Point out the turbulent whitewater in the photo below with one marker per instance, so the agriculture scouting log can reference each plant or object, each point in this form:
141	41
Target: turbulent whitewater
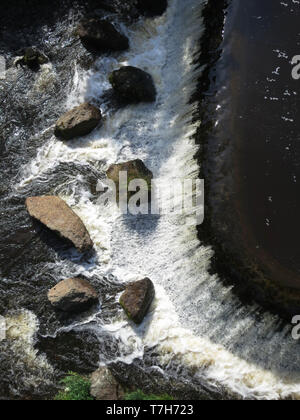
195	322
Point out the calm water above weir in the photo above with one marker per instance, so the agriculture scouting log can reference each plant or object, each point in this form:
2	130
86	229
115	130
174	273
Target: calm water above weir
259	118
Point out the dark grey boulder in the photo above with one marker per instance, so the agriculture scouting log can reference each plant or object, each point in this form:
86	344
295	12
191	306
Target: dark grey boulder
133	85
100	34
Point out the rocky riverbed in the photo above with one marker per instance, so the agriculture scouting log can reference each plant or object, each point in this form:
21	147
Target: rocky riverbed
32	94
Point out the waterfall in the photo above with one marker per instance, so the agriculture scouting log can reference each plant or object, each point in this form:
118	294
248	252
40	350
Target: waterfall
195	320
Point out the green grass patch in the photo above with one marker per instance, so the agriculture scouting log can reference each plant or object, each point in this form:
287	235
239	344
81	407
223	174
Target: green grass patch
76	388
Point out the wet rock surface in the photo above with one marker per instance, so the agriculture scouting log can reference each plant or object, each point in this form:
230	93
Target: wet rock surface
73	295
78	122
133	85
76	351
135	170
57	216
101	35
137	299
104	387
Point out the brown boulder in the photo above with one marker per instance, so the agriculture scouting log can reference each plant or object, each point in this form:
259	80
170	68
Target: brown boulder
102	35
54	213
78	122
73	295
137	299
104	386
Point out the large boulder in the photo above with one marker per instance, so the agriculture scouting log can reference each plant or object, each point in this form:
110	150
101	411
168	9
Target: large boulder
137	299
33	58
78	122
73	295
135	169
100	34
104	386
133	85
54	213
152	7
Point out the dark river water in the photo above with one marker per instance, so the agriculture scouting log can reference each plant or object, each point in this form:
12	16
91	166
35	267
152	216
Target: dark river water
253	150
266	123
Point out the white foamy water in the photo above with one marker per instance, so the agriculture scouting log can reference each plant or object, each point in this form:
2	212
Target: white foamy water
21	328
32	368
195	319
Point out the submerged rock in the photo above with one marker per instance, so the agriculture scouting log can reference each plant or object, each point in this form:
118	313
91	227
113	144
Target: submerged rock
135	169
78	122
152	7
33	58
56	215
102	35
73	295
133	84
137	299
104	386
